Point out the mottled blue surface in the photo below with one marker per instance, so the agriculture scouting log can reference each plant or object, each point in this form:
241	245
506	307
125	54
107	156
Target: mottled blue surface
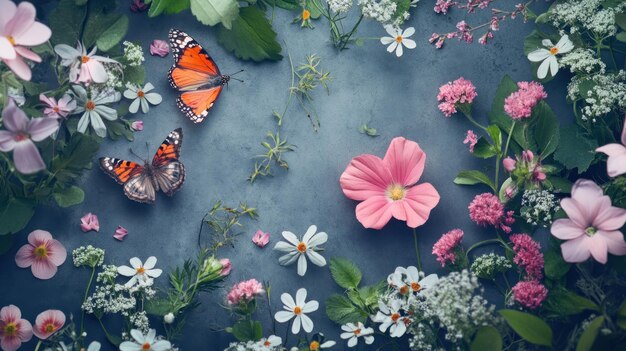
396	96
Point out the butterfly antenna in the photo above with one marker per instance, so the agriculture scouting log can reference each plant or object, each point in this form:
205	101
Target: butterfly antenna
237	72
134	153
237	79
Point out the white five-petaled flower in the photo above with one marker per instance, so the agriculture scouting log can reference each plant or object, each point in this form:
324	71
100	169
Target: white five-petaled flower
547	55
406	280
94	110
84	67
297	311
145	342
269	343
141	96
300	250
391	318
141	273
352	332
398	38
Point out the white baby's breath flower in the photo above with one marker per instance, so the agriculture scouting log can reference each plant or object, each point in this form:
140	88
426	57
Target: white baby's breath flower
133	53
141	96
297	310
398	39
340	6
140	273
300	250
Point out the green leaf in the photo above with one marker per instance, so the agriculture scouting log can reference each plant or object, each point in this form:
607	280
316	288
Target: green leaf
530	327
66	21
590	334
496	135
102	16
169	7
340	310
212	12
575	150
562	302
251	37
472	178
621	36
487	338
246	330
547	129
621	315
113	35
134	74
290	5
483	149
345	273
69	197
560	185
367	130
620	20
15	215
555	267
74	158
158	307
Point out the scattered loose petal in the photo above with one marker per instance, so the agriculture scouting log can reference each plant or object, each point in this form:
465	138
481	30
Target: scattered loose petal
89	222
260	238
120	233
159	48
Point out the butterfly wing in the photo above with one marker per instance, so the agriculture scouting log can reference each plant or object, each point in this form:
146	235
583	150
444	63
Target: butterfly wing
168	171
193	69
137	185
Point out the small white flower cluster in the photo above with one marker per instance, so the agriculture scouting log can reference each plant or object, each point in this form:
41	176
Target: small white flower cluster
88	256
133	54
488	265
382	11
457	303
539	207
139	320
340	6
252	346
587	15
115	74
607	93
17	95
583	61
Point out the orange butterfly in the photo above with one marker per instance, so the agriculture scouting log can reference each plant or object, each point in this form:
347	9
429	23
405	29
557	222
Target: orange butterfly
141	183
195	74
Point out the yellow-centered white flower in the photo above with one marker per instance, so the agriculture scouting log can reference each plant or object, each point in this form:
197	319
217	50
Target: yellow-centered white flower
547	55
141	273
300	250
297	310
397	39
352	332
141	97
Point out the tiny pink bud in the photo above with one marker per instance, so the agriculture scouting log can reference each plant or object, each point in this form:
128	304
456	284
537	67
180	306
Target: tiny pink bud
509	164
137	125
227	266
527	155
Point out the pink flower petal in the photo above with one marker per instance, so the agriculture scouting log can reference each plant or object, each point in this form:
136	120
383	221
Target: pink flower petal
616	165
624	135
56	252
587	195
405	160
575	212
609	218
7	141
23	18
10	343
27	54
614	241
576	250
419	201
366	176
36	34
14	119
27	158
7	11
10	313
41	128
612	149
598	248
96	71
43	269
19	67
38	237
374	212
7	50
26	330
566	229
24	256
55	318
120	233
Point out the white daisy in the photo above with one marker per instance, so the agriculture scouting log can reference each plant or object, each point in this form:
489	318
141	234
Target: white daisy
94	110
390	318
355	331
300	250
140	273
408	279
398	38
548	56
145	342
297	310
141	96
269	343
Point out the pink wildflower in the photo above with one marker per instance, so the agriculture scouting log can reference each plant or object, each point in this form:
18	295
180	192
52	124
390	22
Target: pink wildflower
519	104
244	292
442	6
446	247
120	233
159	48
227	266
487	210
13	329
529	294
47	323
260	238
461	91
42	254
89	222
509	164
137	125
464	32
57	109
471	139
528	255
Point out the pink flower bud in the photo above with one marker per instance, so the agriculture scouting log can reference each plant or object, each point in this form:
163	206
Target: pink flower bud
227	266
89	222
527	156
120	233
539	175
137	125
159	48
509	164
510	191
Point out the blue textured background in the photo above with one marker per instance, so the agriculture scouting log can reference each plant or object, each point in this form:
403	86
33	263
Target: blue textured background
396	96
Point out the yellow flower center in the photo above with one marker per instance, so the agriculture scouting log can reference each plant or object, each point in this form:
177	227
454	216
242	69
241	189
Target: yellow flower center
10	329
554	51
301	247
396	192
314	346
141	270
84	59
399	39
297	310
306	14
11	40
49	328
90	105
146	346
357	332
41	251
416	287
140	93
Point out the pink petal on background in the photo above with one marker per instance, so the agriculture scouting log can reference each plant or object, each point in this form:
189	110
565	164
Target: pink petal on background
23	18
598	248
41	128
57	254
120	233
614	241
405	160
421	199
24	256
260	238
37	237
576	250
27	158
54	317
575	212
566	229
89	222
365	176
27	54
10	313
14	119
227	266
19	67
374	212
159	48
36	34
43	269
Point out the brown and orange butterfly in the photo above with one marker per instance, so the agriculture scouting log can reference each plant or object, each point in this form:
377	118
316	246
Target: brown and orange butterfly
165	172
195	74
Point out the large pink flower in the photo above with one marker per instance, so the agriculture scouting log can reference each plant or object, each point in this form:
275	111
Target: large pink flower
13	329
387	187
616	164
592	228
18	31
47	323
42	254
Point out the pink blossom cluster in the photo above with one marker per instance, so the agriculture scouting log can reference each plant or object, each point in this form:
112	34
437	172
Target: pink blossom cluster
442	6
451	94
529	294
244	291
471	139
528	255
446	247
531	167
487	210
519	104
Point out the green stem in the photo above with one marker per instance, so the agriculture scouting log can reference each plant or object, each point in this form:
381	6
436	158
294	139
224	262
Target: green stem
485	242
82	314
346	37
38	345
504	154
106	332
417	250
471	119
